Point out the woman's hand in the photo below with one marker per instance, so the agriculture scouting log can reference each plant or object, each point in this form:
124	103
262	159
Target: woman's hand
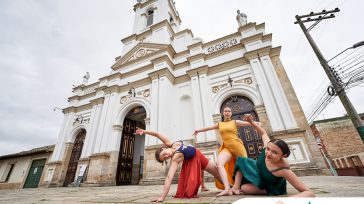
160	199
195	133
139	131
248	118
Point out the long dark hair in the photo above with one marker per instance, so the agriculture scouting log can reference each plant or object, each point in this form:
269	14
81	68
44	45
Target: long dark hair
282	145
222	111
157	154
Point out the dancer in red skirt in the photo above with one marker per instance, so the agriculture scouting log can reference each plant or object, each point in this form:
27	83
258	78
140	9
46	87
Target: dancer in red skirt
194	162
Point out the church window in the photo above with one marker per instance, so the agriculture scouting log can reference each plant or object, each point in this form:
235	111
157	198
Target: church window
150	17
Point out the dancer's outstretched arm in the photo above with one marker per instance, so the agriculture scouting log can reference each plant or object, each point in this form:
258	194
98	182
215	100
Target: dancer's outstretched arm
241	123
158	135
169	178
261	131
293	179
216	126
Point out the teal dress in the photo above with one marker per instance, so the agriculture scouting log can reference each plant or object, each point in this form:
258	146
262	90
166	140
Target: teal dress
257	173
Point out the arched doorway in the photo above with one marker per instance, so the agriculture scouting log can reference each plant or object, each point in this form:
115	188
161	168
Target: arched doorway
131	153
75	156
241	105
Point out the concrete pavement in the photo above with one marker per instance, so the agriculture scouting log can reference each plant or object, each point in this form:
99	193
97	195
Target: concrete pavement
323	186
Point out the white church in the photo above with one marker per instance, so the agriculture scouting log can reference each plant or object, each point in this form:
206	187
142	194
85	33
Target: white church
169	81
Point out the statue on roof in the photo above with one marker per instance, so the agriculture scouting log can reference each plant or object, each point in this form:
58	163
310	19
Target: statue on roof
241	18
86	78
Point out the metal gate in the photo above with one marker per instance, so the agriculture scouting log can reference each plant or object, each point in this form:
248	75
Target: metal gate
75	156
125	163
34	174
240	106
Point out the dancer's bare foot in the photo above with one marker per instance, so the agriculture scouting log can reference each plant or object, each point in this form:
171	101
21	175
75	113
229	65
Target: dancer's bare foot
236	191
203	188
225	193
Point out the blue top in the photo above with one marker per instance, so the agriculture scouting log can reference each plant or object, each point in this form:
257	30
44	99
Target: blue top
188	151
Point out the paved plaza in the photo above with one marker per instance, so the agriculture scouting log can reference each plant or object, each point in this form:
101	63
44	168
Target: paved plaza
323	186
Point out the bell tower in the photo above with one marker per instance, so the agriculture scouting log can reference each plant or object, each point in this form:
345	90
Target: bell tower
152	12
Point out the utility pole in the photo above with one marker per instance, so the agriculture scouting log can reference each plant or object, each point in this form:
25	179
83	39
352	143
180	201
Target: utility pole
330	72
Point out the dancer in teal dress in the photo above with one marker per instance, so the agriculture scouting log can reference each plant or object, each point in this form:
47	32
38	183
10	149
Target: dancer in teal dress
269	173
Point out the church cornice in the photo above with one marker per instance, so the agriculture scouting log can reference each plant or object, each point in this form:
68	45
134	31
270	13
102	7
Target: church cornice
97	101
179	33
181	65
182	79
196	57
260	26
256	37
73	109
197	71
107	90
181	54
275	51
268	50
195	45
250	26
144	4
112	89
81	97
117	75
161	59
162	72
138	70
129	38
227	65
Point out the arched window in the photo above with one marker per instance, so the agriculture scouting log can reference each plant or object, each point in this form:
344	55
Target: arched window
150	13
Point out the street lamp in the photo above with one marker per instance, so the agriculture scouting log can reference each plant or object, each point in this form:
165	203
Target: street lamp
356	45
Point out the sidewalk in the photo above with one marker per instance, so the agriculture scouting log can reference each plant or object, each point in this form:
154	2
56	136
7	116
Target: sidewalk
323	186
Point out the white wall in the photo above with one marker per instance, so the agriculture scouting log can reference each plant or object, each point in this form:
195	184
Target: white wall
20	169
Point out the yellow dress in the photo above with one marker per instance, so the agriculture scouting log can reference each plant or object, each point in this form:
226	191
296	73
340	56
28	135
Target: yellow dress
231	144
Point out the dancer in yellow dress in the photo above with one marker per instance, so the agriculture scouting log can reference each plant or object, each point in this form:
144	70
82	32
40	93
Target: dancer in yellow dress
231	148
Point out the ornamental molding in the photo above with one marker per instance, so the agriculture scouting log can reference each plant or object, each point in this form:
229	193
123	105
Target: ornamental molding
246	81
144	93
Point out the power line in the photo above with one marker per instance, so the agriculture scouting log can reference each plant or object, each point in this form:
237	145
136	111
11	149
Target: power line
340	61
336	87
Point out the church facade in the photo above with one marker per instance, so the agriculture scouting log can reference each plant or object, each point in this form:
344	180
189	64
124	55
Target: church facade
169	81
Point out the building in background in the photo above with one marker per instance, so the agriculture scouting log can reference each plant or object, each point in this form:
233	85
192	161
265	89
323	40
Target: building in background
169	81
341	144
24	169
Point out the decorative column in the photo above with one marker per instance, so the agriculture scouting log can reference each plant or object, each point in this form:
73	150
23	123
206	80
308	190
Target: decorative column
100	140
266	92
197	104
91	135
154	117
65	131
56	168
162	84
107	142
279	95
205	99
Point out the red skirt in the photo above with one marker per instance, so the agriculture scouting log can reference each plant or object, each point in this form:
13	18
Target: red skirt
190	178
